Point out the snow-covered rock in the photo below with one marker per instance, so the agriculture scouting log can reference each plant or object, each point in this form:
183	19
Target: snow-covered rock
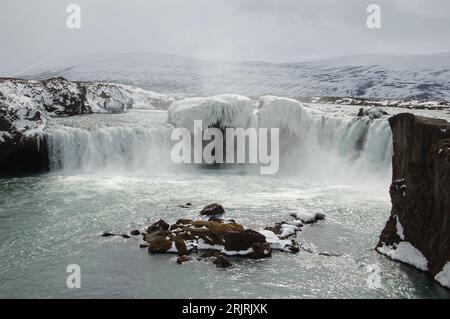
372	112
443	277
226	110
275	242
286	114
26	105
308	216
108	97
405	252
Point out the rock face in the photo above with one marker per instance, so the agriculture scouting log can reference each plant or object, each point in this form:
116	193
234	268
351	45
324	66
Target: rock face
418	230
26	106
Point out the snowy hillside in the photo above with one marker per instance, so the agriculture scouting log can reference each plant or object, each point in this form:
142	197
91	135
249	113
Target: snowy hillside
423	77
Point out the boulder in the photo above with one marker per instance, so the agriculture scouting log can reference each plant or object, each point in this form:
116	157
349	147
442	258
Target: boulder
107	234
159	245
260	250
212	209
222	262
183	259
242	240
372	112
156	226
180	245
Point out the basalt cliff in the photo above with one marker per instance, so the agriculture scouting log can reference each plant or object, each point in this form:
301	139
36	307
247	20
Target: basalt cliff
418	230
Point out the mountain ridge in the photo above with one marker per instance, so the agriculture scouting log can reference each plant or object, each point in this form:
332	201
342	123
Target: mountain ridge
420	77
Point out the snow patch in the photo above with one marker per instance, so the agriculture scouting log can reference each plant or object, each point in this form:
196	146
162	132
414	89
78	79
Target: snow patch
273	240
443	277
400	230
405	252
307	216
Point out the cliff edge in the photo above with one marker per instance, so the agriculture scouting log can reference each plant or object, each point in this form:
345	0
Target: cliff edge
418	230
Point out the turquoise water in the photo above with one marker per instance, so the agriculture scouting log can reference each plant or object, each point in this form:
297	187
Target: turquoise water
113	173
51	221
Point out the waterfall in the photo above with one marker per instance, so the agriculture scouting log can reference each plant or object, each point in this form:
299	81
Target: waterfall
318	145
343	148
108	149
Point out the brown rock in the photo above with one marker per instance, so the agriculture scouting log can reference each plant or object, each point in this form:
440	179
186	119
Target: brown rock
200	223
135	232
183	259
159	225
210	253
222	262
159	245
184	221
160	233
242	240
215	219
261	251
181	246
212	209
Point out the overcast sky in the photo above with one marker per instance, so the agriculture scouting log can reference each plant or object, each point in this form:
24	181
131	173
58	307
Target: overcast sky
272	30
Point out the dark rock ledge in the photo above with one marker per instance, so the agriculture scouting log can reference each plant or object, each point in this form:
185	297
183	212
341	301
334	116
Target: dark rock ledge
418	230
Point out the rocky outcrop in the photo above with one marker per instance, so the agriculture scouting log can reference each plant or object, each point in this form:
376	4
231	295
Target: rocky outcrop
372	112
26	106
215	239
23	149
418	230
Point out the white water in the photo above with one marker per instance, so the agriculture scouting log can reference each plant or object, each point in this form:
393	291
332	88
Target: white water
123	142
325	146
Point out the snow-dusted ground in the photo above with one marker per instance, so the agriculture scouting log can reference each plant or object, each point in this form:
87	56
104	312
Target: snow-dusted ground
420	77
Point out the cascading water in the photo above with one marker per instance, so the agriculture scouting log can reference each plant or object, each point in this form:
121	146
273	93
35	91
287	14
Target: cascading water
112	148
340	148
318	145
327	145
134	141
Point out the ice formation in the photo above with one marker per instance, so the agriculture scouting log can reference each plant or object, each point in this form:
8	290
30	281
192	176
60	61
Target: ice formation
226	110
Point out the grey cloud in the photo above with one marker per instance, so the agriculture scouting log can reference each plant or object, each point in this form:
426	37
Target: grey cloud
274	30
